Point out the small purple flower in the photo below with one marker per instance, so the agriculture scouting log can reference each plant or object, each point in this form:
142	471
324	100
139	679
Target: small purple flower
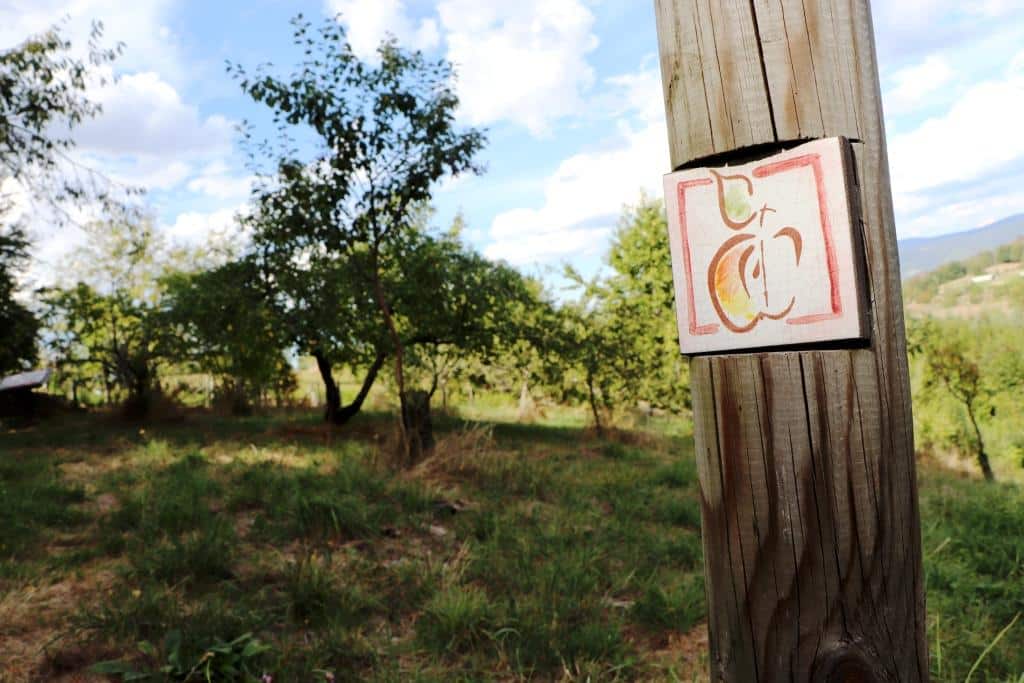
267	678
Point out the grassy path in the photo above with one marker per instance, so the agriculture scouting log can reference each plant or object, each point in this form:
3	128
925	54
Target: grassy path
516	553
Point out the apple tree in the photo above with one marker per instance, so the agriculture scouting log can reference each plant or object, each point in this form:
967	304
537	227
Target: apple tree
220	321
108	324
949	366
638	296
360	147
620	335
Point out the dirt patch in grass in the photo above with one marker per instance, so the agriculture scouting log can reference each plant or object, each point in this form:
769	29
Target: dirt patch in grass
323	434
686	654
107	503
69	664
35	619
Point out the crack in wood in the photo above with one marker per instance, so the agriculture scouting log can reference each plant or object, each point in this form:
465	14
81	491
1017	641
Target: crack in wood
764	69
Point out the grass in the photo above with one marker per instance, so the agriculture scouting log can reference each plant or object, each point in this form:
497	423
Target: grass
457	620
519	552
33	499
973	538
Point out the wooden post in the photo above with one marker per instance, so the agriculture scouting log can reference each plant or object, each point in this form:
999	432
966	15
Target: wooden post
806	458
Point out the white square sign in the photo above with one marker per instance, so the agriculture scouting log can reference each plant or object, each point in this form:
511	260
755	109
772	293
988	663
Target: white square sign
765	254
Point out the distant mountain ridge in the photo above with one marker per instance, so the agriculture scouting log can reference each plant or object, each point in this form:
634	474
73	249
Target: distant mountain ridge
922	254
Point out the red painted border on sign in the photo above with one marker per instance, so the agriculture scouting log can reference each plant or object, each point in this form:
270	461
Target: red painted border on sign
695	329
814	161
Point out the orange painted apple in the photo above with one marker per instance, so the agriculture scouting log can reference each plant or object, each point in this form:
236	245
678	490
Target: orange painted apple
738	274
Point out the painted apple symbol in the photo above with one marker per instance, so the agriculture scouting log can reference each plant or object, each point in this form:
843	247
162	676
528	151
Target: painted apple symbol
738	278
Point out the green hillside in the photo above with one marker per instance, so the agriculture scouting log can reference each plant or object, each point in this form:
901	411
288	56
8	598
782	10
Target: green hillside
920	255
991	282
967	371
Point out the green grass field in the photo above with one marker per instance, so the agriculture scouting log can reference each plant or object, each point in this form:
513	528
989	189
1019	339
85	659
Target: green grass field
235	548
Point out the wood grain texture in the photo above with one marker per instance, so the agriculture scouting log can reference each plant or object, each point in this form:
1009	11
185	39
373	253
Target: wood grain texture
713	80
810	513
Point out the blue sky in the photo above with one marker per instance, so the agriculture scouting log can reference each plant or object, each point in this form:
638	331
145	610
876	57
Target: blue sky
568	90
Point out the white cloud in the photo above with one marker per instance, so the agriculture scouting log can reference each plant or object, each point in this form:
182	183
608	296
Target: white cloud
142	25
909	86
217	181
48	254
542	247
53	241
144	115
520	61
906	203
585	196
370	21
636	93
907	14
1016	67
965	167
217	231
147	135
977	135
14	201
195	226
906	29
147	173
963	215
451	183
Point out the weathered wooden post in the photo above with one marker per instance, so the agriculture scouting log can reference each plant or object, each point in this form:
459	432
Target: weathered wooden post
810	515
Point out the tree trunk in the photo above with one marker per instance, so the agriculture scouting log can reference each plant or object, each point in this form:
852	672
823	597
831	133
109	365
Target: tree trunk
136	376
389	321
593	405
240	403
333	394
417	424
353	408
433	383
986	467
526	405
336	413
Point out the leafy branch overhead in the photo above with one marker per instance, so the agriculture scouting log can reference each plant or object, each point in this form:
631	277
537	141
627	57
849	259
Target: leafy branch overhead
374	140
43	98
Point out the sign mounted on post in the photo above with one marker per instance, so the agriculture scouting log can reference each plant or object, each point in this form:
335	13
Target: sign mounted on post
765	254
